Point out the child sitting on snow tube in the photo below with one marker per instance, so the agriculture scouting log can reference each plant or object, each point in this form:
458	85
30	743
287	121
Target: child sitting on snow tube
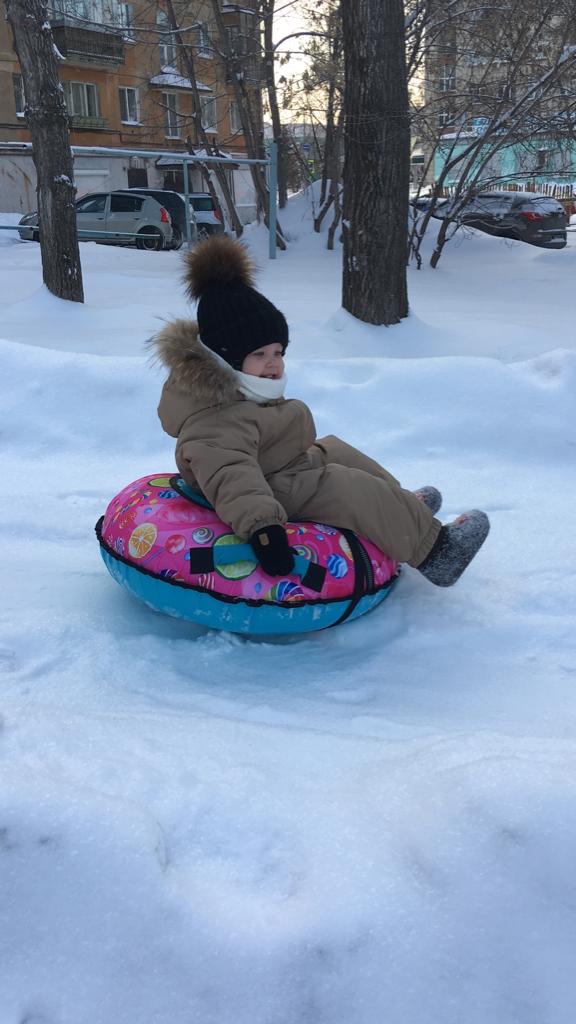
255	456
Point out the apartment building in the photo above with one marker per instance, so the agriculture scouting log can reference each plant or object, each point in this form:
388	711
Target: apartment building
487	69
127	85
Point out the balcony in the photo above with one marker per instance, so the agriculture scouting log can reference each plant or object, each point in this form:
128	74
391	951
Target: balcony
244	46
245	7
89	44
251	69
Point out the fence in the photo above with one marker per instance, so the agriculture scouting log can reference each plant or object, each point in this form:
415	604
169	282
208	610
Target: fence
564	193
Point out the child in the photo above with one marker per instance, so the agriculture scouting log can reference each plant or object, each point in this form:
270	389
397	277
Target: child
255	455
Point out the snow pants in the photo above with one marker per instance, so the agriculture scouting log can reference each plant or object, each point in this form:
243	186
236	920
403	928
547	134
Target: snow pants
345	488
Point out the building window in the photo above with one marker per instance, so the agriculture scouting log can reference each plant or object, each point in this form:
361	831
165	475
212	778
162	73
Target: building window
506	92
208	108
478	92
128	105
126	21
167	44
235	122
171	128
203	47
236	41
447	81
447	42
242	36
445	119
81	99
72	9
96	12
19	98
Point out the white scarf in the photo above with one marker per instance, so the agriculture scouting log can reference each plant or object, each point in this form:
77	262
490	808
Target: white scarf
261	389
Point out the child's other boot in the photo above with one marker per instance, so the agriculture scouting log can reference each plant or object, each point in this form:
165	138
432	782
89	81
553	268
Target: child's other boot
431	497
455	548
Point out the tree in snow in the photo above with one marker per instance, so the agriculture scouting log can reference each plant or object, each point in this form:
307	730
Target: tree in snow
498	85
239	49
48	123
377	160
175	19
314	95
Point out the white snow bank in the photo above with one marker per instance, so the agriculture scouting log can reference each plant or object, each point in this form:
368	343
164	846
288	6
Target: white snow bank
9	237
373	823
489	297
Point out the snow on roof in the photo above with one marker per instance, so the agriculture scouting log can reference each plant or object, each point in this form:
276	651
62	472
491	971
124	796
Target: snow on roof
238	9
167	161
172	78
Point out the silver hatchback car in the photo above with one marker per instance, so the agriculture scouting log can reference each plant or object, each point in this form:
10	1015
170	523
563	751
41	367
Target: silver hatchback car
133	220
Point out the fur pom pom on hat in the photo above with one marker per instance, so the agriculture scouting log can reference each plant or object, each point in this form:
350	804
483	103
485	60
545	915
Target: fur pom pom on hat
233	318
218	260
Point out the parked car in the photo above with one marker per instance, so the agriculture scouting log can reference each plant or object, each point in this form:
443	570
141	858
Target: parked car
209	218
525	216
424	202
136	219
176	207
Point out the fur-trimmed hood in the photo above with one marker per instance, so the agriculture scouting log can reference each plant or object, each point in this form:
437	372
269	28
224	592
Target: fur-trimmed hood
197	379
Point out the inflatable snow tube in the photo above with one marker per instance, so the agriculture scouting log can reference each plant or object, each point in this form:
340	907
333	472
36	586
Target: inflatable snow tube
165	544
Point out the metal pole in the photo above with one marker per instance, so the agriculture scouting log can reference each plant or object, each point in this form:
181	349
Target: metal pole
272	198
187	202
24	147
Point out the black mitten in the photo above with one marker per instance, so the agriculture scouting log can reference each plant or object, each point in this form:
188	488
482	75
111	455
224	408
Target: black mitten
273	551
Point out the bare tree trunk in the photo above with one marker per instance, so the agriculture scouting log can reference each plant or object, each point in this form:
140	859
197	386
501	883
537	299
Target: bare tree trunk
199	129
334	173
377	161
328	142
440	243
48	123
277	130
236	76
333	119
335	221
330	149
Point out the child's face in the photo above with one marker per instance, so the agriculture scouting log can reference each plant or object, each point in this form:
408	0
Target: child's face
266	361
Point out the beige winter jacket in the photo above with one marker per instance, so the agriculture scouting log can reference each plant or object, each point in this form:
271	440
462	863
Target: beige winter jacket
241	455
262	464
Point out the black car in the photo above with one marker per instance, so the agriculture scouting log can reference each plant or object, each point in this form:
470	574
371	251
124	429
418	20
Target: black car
524	216
176	207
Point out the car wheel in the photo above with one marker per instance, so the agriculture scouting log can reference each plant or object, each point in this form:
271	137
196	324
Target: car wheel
177	238
154	243
36	236
203	232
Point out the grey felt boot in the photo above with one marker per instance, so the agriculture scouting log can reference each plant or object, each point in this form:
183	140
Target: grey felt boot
455	548
431	497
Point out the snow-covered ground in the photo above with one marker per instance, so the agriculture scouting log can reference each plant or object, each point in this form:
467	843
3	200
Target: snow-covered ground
372	824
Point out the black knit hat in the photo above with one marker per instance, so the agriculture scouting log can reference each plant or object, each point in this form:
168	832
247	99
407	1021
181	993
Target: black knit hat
233	318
